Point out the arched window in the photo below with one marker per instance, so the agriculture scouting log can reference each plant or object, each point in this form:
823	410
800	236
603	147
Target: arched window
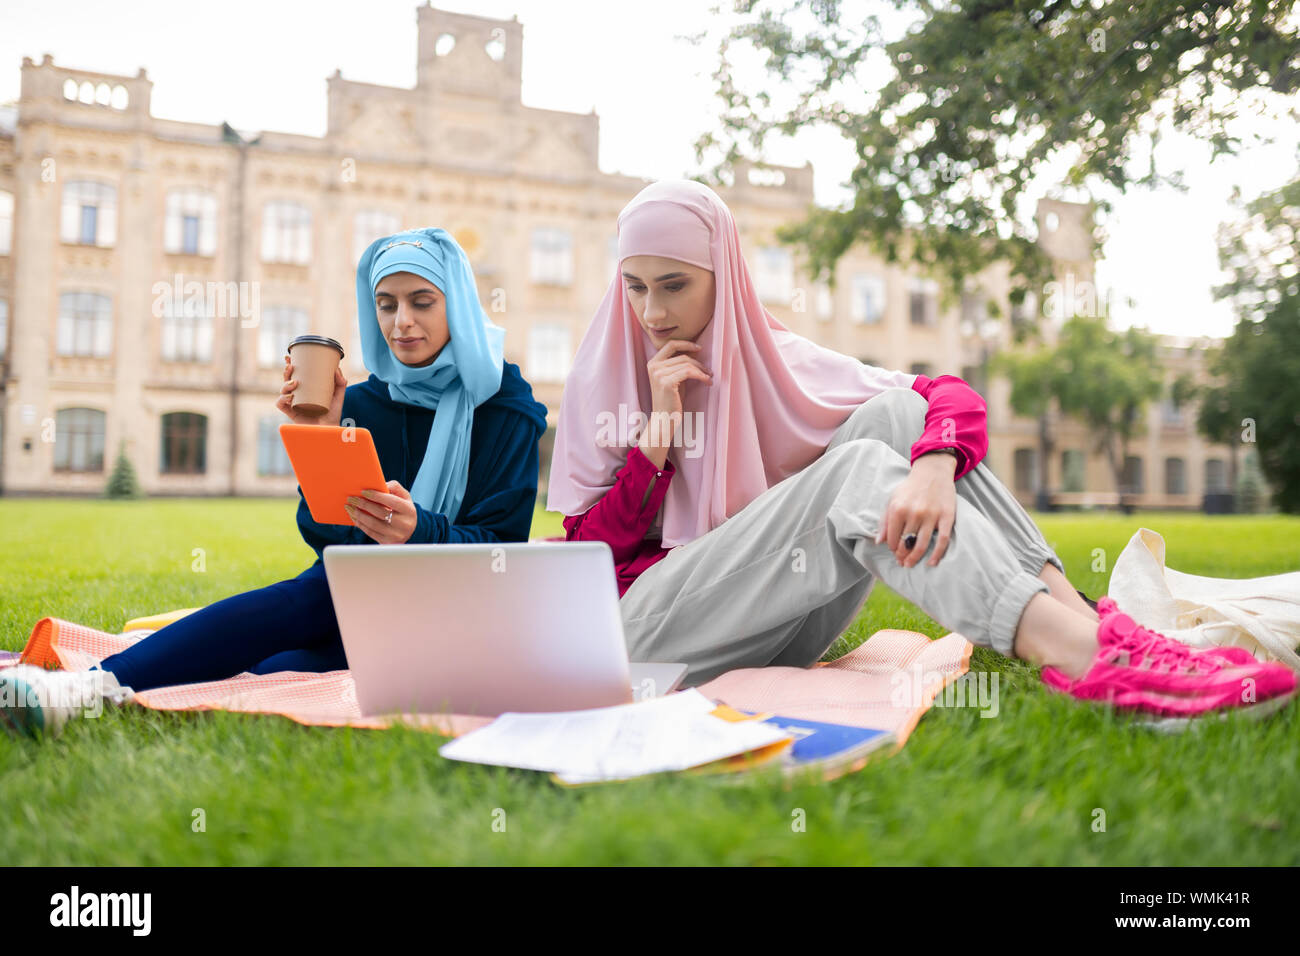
184	443
1216	476
1175	476
1132	479
79	439
1026	469
1073	464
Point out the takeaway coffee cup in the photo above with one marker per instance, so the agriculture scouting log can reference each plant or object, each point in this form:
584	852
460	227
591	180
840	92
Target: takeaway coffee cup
314	359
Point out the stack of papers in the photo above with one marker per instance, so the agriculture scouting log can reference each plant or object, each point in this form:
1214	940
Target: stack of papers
675	732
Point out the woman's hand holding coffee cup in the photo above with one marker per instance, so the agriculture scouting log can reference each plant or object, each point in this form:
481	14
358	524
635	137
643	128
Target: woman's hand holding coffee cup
388	518
300	417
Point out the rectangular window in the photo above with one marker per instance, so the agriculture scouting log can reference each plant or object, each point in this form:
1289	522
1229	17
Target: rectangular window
551	261
279	327
1216	476
89	214
1170	412
79	439
774	274
6	222
974	311
190	222
272	459
85	325
1072	470
1132	477
187	337
190	235
921	368
973	375
868	299
286	233
1026	467
611	257
86	235
923	301
369	225
823	302
549	352
1175	476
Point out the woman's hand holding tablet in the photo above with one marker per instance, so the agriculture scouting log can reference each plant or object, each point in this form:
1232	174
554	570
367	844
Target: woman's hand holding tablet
388	518
333	464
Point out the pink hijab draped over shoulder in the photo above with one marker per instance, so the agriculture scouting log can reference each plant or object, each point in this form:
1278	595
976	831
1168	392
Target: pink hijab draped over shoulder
775	401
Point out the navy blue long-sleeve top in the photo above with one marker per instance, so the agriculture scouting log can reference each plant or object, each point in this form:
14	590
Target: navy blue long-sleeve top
501	488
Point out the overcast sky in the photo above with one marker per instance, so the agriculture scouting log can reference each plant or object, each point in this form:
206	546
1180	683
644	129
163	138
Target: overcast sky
262	65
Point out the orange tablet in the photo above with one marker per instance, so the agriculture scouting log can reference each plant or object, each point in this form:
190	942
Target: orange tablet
331	463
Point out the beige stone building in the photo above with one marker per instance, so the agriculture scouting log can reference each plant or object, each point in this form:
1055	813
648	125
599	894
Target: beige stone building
152	271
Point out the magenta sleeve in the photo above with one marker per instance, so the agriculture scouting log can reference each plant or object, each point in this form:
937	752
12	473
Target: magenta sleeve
957	418
618	518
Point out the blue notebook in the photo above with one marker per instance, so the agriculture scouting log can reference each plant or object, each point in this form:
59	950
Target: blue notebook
832	749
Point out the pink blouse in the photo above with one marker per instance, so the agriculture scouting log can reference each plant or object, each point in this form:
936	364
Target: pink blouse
621	521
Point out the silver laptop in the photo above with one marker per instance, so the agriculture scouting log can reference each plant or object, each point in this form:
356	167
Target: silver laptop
486	628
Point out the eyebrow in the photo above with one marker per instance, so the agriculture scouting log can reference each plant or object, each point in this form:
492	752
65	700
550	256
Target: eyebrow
428	289
666	275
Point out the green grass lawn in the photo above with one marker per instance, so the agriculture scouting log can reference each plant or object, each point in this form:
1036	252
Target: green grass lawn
1020	788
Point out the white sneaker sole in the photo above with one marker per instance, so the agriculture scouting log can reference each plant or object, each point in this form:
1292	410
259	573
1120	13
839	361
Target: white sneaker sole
1177	725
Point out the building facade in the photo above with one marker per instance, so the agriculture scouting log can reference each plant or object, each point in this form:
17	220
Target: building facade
152	271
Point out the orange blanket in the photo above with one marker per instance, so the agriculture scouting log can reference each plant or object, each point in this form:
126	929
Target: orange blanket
886	683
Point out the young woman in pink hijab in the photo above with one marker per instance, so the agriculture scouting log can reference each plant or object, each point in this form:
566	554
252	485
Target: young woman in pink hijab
754	485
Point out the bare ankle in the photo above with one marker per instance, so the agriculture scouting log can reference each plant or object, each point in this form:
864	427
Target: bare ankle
1052	635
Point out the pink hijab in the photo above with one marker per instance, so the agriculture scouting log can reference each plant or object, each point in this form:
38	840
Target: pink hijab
775	401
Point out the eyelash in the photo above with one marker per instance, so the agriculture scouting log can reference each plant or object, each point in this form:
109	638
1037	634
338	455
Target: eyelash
675	287
390	308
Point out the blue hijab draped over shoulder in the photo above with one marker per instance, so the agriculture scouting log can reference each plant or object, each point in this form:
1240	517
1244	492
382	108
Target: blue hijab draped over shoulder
466	373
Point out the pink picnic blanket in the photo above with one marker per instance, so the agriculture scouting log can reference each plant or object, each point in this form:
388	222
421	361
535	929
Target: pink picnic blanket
886	683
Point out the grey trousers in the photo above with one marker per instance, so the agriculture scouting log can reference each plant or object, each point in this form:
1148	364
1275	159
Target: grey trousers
778	582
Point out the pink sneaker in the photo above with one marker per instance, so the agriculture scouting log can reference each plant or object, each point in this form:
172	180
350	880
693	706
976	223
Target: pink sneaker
1233	655
1168	683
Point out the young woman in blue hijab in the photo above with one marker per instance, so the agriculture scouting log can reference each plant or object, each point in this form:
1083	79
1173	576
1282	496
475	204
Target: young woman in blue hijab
450	418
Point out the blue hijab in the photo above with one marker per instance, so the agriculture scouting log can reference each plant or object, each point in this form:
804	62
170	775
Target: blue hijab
466	373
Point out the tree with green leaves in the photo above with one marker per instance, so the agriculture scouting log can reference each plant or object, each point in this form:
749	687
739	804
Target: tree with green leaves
122	482
979	97
1100	377
1254	395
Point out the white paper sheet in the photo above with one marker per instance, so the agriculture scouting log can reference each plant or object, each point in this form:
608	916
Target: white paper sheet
613	743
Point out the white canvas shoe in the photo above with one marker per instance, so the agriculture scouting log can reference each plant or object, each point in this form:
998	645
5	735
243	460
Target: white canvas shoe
35	701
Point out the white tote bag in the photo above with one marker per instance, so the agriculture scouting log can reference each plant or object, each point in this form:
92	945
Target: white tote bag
1259	614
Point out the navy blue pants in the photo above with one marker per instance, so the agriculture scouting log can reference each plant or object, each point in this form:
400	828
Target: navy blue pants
287	626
